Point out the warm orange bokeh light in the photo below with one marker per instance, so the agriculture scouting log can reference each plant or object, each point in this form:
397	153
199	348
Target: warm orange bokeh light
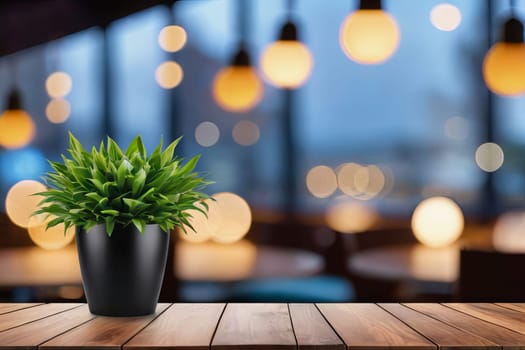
58	110
203	227
437	222
169	74
503	69
17	129
235	217
350	217
172	38
321	181
58	84
51	239
287	63
20	202
237	88
369	36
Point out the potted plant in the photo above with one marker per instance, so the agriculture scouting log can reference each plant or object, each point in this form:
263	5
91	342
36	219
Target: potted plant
124	205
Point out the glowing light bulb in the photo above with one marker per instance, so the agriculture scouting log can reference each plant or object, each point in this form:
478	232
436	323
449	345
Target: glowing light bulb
369	35
287	63
58	84
20	201
58	110
237	88
503	68
437	222
17	129
169	74
172	38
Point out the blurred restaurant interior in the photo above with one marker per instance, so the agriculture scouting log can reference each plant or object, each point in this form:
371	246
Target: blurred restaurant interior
360	150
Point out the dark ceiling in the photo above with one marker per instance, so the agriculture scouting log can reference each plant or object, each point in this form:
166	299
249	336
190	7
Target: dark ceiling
27	23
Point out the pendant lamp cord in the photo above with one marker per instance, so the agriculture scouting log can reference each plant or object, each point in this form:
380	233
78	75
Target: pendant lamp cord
512	5
243	14
290	6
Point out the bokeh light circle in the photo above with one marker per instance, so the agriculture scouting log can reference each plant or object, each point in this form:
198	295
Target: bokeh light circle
235	217
58	110
17	129
169	74
508	233
437	222
59	84
207	134
445	17
321	181
204	226
246	133
51	239
20	202
489	157
172	38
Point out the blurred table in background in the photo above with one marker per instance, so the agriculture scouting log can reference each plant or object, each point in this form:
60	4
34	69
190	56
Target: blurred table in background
432	270
242	260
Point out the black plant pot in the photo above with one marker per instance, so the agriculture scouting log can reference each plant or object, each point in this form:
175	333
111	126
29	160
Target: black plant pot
122	274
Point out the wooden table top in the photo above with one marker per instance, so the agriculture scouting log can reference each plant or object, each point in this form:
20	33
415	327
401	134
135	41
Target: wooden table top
268	326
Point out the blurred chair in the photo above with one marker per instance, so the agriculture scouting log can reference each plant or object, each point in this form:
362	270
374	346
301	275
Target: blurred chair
487	275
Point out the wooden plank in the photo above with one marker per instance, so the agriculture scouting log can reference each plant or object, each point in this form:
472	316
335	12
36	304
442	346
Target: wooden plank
367	326
507	339
10	307
22	316
311	329
514	306
507	318
442	334
182	326
102	332
30	335
255	326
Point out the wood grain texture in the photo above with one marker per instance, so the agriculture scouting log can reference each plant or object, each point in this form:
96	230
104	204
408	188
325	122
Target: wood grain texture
182	326
311	329
22	316
102	332
442	334
10	307
507	318
514	306
30	335
367	326
255	326
507	339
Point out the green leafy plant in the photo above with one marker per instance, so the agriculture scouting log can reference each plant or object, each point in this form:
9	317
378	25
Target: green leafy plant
112	187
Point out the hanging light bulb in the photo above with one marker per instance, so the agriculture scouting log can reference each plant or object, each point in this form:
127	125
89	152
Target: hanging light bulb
369	35
287	63
504	64
17	129
237	88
